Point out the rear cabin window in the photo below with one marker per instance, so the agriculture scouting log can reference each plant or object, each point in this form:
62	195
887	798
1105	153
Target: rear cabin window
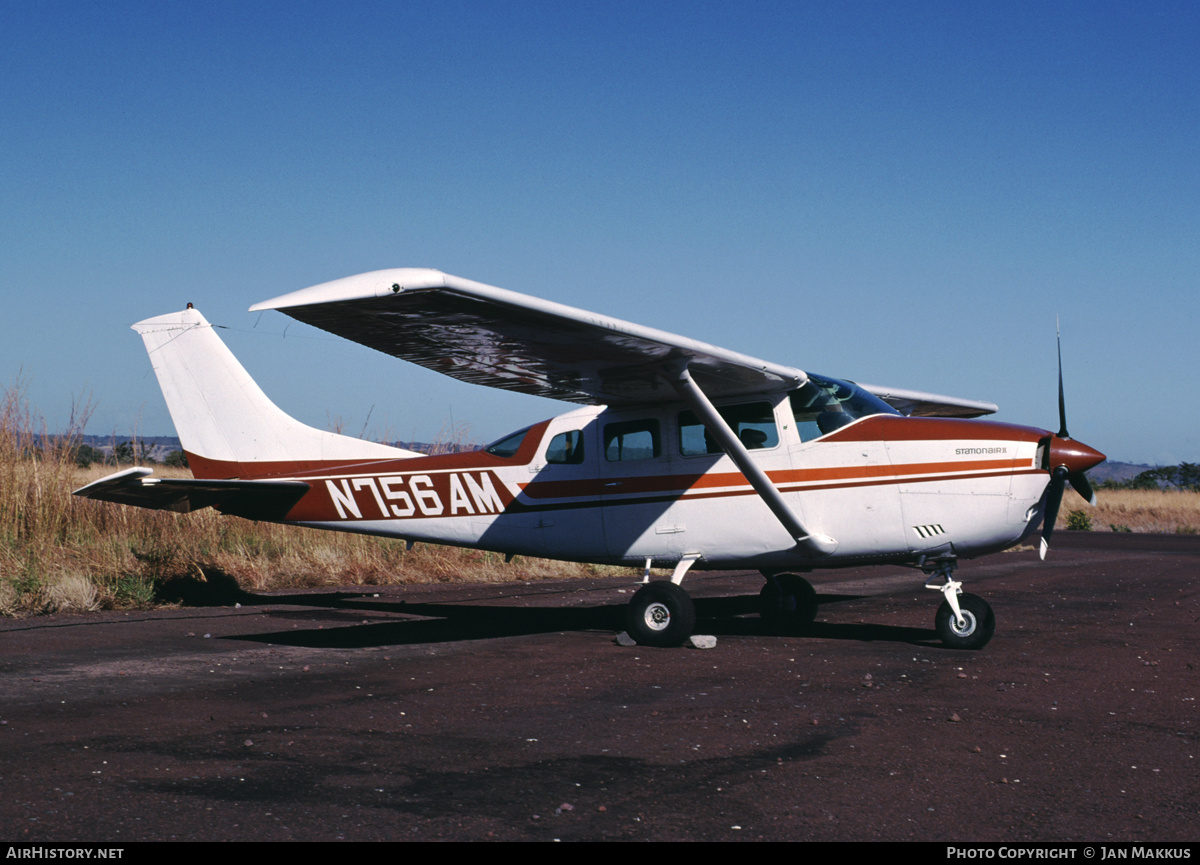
566	448
632	440
752	423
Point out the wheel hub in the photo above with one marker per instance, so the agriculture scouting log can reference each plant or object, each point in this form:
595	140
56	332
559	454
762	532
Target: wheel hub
968	624
658	616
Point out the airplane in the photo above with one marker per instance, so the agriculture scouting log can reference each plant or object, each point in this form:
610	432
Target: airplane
682	454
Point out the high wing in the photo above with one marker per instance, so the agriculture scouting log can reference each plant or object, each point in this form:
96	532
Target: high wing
256	500
487	335
919	404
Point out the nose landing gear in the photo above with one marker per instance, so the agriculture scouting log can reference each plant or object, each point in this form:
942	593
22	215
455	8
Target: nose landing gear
963	621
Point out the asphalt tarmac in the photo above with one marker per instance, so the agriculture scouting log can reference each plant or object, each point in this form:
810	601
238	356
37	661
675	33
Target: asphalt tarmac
508	712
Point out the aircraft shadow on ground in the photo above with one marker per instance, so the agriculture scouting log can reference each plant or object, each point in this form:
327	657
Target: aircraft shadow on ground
441	623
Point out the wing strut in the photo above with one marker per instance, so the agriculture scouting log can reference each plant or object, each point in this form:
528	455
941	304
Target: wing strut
681	380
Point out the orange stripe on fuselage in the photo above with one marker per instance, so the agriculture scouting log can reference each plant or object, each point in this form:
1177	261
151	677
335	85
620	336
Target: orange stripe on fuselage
799	478
878	428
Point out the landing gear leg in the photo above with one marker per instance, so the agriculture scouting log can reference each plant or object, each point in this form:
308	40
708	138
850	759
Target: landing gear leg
963	621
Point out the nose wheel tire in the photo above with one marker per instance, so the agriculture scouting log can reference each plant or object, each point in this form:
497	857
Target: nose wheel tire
979	623
788	602
660	614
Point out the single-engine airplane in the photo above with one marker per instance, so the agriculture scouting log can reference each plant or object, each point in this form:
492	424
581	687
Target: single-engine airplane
683	455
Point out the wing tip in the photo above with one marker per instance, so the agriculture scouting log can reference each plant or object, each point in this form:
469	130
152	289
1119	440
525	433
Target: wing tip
125	477
362	286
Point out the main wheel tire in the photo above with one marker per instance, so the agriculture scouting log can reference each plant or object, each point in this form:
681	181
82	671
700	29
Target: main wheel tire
979	623
660	614
788	601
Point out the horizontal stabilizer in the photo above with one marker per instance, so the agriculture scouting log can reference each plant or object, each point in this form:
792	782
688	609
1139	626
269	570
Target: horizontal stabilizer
256	500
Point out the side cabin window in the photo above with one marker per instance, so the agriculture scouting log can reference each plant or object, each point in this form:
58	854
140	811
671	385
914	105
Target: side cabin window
509	445
566	448
632	440
752	423
823	405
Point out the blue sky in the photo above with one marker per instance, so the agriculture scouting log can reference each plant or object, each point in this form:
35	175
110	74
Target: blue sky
900	193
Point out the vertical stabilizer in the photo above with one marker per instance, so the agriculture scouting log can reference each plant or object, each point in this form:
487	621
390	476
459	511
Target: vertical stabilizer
224	420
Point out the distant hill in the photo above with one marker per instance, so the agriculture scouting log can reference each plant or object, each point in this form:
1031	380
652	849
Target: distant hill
160	446
1115	471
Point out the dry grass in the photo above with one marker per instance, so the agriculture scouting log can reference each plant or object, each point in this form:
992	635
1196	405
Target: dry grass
1137	511
62	553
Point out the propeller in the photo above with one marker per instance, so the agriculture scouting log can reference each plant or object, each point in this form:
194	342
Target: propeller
1067	460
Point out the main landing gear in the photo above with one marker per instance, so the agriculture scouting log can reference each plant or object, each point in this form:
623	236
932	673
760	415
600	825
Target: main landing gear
663	613
963	621
787	602
660	614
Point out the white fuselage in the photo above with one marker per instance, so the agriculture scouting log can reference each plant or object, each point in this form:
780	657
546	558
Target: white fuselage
637	484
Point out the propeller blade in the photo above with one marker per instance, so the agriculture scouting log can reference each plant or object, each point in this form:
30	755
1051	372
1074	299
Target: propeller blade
1062	402
1067	461
1054	494
1079	483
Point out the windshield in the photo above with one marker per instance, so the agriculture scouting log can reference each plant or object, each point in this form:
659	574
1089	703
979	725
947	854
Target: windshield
824	404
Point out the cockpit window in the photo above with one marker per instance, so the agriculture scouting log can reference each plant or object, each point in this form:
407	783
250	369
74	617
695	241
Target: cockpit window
823	405
509	445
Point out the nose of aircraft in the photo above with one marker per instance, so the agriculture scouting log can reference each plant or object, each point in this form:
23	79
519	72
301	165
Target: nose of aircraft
1068	460
1074	456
